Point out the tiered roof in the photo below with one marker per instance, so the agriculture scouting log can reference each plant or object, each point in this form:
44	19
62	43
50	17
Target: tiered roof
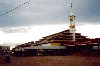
62	37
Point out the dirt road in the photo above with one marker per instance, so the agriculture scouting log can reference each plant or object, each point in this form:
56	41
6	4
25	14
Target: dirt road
54	61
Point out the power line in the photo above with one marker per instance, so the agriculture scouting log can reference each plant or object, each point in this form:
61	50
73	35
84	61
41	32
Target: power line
27	2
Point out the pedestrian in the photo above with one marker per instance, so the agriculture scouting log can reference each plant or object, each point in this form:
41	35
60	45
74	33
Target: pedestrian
7	58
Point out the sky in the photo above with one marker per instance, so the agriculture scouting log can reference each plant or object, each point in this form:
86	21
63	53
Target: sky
38	18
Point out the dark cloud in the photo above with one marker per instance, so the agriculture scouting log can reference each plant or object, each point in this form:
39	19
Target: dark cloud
88	11
39	12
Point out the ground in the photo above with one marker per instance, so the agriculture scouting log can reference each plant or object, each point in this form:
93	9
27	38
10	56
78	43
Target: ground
54	61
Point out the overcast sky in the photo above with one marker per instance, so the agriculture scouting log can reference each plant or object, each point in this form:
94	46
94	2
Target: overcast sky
40	12
36	14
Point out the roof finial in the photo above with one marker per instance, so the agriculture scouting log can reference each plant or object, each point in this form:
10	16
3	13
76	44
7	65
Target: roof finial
71	5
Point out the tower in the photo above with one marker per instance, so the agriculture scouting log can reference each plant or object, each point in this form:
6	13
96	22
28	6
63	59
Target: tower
72	23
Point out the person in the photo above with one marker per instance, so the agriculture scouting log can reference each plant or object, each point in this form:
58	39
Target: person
7	58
